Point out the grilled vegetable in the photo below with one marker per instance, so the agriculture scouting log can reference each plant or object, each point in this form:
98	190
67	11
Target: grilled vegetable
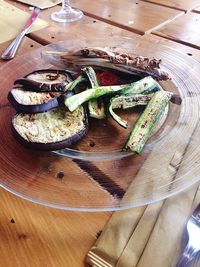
143	127
104	57
52	130
32	102
25	99
46	80
107	78
75	82
144	86
96	106
126	102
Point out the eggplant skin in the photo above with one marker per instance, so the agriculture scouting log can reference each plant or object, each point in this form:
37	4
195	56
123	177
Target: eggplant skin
51	146
32	83
37	108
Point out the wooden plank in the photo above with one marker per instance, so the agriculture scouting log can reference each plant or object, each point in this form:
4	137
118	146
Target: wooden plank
54	237
87	27
197	9
191	52
133	15
32	235
184	5
26	46
184	29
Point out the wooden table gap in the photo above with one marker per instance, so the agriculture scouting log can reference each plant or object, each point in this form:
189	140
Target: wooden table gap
177	41
165	5
183	5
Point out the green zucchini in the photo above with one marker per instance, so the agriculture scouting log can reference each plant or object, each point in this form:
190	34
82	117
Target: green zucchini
144	125
126	102
129	101
144	86
70	86
95	106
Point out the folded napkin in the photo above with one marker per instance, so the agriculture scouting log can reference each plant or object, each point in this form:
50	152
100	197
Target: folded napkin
151	236
12	21
42	4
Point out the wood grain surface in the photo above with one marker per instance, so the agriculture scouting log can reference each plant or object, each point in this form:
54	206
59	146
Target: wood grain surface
27	46
184	5
197	9
32	235
87	26
134	15
184	30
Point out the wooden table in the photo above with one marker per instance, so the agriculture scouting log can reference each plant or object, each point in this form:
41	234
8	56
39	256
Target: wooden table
36	236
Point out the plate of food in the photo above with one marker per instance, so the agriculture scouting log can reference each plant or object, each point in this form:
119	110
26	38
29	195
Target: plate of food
93	127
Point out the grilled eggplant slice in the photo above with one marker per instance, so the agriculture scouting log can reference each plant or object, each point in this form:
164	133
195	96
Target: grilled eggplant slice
46	80
52	130
33	102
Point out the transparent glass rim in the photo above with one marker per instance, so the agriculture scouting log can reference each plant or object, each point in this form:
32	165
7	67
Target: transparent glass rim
114	155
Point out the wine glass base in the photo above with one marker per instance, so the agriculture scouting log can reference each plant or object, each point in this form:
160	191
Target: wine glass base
65	16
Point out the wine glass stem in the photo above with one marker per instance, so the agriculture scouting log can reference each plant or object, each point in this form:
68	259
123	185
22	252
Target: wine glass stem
66	6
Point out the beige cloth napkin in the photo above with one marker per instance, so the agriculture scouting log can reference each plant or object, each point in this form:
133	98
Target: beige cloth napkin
42	4
152	236
12	20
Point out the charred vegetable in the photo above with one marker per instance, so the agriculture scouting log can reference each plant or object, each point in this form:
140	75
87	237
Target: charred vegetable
96	106
74	83
106	58
32	102
126	102
144	86
27	100
46	80
51	130
143	127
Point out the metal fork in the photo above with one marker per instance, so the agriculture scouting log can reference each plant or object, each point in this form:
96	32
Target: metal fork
193	246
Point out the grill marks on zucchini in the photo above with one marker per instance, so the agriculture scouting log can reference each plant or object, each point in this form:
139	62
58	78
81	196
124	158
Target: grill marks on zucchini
138	93
126	102
144	86
143	127
44	123
96	106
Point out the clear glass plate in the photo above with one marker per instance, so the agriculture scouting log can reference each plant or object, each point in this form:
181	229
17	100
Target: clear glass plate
94	175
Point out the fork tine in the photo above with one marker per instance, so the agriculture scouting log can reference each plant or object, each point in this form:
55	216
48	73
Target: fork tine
196	214
192	249
196	261
197	210
188	255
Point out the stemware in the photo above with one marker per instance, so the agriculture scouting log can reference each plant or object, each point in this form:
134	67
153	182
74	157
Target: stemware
67	13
